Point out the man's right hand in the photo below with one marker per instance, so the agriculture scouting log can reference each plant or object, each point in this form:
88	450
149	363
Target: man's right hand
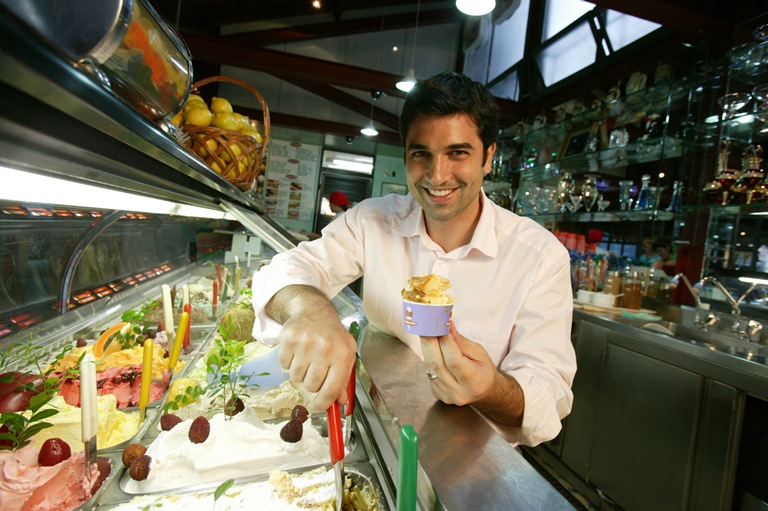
315	348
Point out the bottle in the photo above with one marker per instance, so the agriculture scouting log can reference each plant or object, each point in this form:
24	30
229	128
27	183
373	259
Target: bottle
643	198
676	203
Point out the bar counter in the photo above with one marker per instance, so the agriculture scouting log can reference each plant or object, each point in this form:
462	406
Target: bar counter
464	463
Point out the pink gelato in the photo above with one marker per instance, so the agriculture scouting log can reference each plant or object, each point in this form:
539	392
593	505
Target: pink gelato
122	382
27	486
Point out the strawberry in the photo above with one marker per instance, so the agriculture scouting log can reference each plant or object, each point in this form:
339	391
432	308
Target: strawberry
131	452
53	452
168	421
140	467
292	431
299	412
199	430
233	408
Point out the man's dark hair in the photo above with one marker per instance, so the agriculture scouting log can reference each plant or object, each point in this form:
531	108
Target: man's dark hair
449	93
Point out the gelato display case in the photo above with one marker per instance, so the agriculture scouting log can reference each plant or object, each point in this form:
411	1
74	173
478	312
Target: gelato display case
72	277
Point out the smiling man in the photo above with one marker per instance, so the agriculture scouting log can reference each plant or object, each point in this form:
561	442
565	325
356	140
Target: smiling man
508	352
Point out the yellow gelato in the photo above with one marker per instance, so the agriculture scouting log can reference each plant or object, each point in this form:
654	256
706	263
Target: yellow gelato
115	427
427	289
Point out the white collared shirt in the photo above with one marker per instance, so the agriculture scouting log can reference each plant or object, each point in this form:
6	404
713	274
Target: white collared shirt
511	284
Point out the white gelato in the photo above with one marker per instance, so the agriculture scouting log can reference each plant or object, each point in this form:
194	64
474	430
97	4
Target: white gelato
313	490
237	447
269	403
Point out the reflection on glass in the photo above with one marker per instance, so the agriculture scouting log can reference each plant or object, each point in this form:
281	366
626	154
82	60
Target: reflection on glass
734	102
589	191
624	194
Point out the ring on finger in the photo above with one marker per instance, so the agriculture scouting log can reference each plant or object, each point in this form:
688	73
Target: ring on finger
431	375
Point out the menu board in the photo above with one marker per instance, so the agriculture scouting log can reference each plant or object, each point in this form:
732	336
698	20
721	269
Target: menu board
292	168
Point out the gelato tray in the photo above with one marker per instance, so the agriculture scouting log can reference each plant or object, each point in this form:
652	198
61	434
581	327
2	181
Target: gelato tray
199	451
311	489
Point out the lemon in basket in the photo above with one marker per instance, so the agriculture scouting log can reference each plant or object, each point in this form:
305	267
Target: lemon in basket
235	150
243	122
253	134
225	121
211	145
199	116
220	105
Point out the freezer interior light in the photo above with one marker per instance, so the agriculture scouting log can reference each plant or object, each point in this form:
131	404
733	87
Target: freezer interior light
21	186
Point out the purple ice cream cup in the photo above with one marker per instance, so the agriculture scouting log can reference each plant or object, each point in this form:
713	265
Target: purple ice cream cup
430	320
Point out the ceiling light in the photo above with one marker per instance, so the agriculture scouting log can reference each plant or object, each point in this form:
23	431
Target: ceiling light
370	130
409	80
316	4
19	186
475	7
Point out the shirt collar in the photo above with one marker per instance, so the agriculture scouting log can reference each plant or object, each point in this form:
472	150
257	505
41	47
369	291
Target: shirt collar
483	239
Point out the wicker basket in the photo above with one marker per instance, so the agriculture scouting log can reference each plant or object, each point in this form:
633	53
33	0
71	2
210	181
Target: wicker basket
245	157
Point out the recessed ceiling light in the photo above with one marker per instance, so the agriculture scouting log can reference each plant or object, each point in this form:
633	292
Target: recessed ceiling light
316	4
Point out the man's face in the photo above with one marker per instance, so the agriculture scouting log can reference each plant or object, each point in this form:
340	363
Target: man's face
444	166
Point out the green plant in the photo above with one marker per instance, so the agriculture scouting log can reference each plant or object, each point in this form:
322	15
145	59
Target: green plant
139	324
18	428
223	364
189	396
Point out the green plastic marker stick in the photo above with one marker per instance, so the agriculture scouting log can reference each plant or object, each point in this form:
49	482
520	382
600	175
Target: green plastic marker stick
407	463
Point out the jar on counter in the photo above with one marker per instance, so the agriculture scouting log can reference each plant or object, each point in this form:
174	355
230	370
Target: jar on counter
659	287
632	290
612	283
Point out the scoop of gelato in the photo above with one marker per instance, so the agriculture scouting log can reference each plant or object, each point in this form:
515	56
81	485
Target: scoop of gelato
427	289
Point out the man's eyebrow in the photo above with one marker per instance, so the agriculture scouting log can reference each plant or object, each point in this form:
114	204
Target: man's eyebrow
462	145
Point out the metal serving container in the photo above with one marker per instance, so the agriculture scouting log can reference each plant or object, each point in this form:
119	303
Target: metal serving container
123	43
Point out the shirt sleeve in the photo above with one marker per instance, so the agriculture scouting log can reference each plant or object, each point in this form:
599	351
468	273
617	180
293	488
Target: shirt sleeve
308	264
541	357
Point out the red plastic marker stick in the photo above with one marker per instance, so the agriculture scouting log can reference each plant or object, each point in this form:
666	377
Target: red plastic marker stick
215	295
334	433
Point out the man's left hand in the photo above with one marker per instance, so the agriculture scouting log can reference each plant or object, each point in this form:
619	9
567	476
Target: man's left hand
465	371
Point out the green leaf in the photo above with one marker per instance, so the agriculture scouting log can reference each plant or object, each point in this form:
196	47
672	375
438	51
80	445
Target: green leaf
223	487
43	414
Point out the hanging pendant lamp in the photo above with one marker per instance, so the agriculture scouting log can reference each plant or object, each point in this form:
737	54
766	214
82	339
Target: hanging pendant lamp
369	130
409	80
475	7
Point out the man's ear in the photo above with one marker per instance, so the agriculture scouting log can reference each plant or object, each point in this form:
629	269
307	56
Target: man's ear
489	158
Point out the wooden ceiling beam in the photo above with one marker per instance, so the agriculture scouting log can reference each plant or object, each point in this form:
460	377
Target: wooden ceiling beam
346	27
288	65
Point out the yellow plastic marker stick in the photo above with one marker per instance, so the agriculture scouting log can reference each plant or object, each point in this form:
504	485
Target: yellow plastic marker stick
146	377
179	341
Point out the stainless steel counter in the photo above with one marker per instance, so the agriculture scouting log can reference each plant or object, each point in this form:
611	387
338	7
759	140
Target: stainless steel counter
465	463
732	366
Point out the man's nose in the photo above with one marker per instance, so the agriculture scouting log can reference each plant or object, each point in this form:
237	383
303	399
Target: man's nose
440	170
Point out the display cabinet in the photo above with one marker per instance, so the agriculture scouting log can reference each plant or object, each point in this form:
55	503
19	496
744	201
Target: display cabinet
616	160
728	197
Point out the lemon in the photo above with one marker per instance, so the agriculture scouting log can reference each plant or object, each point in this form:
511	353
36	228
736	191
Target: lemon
243	121
193	103
225	121
212	145
194	97
179	387
199	116
235	150
253	134
220	105
178	119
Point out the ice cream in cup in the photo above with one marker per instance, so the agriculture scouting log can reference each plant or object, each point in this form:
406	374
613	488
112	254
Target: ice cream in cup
427	308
